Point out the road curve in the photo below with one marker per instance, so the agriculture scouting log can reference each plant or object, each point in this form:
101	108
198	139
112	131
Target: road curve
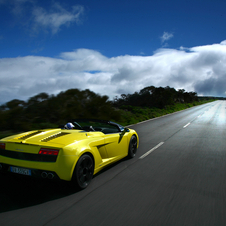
177	178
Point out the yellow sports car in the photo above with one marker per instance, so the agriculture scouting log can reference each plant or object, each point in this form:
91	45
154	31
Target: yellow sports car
73	153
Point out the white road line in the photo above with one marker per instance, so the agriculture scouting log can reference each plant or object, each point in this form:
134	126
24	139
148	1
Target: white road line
187	125
147	153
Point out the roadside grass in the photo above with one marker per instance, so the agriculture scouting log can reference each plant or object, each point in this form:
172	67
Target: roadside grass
129	115
132	115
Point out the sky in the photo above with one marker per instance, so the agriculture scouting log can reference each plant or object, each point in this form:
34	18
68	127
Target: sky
111	47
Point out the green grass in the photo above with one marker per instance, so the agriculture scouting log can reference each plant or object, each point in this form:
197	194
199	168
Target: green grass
132	115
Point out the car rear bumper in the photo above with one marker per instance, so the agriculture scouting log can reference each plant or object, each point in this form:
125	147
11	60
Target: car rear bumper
61	169
5	168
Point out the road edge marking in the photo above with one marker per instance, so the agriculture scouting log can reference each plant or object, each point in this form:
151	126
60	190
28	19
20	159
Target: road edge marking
148	152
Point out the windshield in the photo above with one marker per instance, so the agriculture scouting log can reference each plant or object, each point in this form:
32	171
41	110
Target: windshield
97	125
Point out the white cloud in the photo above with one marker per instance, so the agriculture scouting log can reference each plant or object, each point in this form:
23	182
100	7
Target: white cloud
201	69
36	18
166	36
56	17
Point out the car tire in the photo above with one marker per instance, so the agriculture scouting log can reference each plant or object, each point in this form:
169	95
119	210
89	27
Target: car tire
132	147
83	172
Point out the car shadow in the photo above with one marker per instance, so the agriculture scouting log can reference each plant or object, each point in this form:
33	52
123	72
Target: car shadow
20	191
17	191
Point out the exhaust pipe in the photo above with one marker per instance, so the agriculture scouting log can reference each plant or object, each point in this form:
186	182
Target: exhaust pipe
44	175
50	176
47	175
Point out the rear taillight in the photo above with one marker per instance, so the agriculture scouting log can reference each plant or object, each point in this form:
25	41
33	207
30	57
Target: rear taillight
48	151
2	145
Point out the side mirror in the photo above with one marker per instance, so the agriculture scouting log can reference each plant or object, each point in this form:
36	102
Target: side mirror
124	131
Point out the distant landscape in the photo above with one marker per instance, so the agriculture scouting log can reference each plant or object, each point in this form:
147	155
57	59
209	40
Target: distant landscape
49	111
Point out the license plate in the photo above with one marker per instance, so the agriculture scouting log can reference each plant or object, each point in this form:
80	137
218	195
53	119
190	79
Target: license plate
20	170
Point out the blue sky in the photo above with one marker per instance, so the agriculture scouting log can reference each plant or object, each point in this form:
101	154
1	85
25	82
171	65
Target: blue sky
111	47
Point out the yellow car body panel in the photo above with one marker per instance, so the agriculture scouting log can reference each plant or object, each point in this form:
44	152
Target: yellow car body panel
22	150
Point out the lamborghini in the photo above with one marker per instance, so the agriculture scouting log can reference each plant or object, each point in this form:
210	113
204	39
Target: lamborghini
71	153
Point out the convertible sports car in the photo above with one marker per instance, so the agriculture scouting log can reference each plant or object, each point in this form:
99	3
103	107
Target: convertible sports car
73	153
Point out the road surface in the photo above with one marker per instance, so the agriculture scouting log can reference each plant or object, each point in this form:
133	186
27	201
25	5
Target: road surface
178	177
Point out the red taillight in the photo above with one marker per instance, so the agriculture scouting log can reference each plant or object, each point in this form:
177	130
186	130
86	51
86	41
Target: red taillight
47	151
2	145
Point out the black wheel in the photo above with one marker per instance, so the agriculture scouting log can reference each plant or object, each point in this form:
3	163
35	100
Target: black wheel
83	173
132	147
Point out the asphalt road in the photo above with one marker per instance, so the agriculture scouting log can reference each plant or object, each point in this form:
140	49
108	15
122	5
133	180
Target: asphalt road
177	178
